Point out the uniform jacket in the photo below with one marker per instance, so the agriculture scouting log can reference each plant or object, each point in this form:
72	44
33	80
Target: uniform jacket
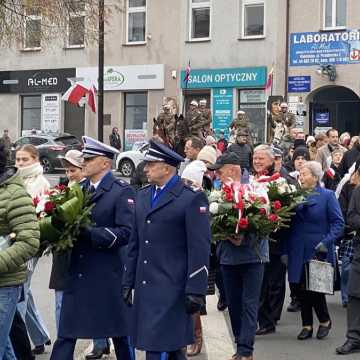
17	215
319	219
92	304
167	259
353	219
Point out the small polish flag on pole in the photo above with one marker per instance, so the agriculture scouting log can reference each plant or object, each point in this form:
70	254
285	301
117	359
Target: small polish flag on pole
74	94
91	98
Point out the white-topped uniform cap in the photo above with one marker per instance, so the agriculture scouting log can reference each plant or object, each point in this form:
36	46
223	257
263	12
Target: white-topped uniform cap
93	148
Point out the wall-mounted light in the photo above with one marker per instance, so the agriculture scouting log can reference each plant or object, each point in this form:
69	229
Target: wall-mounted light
329	70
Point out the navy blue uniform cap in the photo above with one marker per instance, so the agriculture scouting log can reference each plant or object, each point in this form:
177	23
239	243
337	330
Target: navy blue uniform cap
162	153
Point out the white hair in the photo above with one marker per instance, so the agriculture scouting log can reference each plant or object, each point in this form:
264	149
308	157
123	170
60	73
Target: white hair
315	168
267	149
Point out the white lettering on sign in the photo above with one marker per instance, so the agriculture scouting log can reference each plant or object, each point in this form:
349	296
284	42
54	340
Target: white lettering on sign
353	35
36	82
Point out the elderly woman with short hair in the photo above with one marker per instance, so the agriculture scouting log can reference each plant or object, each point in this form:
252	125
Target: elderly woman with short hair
316	226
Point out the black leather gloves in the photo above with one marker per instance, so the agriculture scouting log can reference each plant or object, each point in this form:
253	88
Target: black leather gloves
127	296
321	251
193	303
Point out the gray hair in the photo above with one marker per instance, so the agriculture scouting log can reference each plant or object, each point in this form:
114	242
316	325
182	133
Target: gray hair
315	168
267	149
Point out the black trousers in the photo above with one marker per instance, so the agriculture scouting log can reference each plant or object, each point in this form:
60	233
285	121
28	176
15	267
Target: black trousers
174	355
309	301
272	293
64	349
20	339
353	320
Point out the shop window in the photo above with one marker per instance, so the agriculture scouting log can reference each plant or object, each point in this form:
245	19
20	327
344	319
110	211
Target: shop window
32	37
253	102
76	25
197	95
31	112
200	19
136	21
334	14
135	118
253	19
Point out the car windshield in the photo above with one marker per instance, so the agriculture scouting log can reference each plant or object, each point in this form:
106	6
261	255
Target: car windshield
144	148
67	140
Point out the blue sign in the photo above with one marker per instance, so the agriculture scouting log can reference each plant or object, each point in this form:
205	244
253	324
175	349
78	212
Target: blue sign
334	47
322	118
222	78
222	113
299	84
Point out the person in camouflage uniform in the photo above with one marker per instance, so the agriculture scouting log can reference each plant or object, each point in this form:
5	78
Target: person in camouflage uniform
240	123
164	125
206	117
194	120
286	121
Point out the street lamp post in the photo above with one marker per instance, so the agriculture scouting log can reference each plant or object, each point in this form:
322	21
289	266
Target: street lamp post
101	73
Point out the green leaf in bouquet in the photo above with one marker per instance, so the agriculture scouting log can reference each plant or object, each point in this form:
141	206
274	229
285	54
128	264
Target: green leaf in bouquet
48	233
68	211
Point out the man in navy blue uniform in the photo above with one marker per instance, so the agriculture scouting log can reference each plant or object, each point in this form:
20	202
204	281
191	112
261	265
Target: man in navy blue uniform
242	268
92	306
168	259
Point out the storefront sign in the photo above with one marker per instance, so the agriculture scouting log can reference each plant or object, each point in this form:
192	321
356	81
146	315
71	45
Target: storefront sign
133	77
322	118
222	109
50	112
333	47
229	78
133	136
299	84
252	96
35	81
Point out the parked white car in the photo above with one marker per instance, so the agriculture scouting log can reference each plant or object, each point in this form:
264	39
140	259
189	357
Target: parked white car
127	161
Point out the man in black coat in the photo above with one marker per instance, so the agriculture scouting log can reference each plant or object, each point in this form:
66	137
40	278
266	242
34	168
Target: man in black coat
115	140
352	344
349	158
92	306
242	149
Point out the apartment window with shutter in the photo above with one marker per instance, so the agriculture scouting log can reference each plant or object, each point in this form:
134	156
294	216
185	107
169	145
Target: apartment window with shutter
136	21
32	36
200	19
334	14
253	19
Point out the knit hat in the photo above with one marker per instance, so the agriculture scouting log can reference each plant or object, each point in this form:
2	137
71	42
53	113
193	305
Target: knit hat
207	153
310	139
301	151
194	172
210	140
299	143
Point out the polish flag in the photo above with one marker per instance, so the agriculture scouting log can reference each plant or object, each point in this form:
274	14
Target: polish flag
91	98
74	94
269	81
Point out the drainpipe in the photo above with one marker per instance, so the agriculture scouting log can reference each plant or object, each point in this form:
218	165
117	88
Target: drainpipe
287	48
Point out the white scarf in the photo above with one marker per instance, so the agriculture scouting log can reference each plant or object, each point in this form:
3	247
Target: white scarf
34	179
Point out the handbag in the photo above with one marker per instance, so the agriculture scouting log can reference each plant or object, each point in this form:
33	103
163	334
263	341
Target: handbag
320	277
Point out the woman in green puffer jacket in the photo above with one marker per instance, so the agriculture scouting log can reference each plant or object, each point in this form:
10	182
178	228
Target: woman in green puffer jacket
19	241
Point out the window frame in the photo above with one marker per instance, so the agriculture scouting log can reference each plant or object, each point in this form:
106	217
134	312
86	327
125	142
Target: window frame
31	17
72	15
202	5
243	7
23	96
133	10
333	17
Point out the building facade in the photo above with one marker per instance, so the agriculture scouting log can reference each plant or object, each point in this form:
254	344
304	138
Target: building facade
230	45
324	63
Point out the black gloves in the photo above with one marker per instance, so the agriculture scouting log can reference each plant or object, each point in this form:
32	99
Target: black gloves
194	303
127	296
321	251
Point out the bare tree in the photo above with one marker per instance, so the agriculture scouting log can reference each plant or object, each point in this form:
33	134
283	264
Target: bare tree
30	22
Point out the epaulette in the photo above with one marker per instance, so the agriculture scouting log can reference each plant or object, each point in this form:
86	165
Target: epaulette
192	188
144	187
121	182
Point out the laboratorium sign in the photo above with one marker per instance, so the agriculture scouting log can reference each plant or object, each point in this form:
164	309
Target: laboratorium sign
334	47
223	78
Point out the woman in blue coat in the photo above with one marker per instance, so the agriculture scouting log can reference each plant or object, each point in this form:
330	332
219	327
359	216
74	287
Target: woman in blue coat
316	226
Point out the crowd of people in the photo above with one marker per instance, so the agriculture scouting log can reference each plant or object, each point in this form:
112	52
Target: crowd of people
143	265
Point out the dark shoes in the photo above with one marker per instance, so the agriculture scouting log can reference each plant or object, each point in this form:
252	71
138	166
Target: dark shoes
98	354
323	331
348	348
221	305
294	306
40	349
265	331
305	334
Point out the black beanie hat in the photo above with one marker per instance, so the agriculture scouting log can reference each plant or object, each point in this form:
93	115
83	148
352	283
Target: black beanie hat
301	151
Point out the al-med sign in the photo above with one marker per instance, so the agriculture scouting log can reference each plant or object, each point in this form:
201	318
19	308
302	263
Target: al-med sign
333	47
